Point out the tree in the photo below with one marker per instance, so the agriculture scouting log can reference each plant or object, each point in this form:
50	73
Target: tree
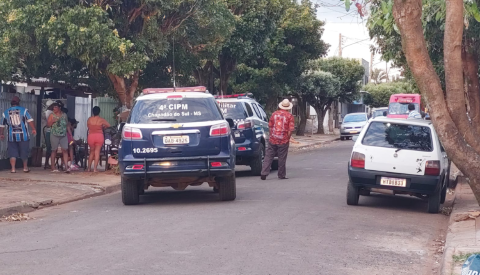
447	109
320	90
379	95
378	75
277	70
109	37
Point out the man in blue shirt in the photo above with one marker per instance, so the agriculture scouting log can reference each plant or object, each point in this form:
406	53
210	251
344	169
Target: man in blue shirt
15	120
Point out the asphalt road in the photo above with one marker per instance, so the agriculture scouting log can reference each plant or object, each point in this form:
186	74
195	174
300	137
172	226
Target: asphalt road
296	226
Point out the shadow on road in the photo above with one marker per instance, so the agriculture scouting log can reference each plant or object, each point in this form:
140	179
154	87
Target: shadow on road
396	203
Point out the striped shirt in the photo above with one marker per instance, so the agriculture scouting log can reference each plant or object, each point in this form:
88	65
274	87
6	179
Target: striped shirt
16	118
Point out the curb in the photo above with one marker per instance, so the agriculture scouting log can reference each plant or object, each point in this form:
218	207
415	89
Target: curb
449	251
26	207
313	145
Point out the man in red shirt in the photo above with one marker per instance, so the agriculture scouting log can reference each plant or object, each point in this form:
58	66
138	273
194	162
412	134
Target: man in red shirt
281	127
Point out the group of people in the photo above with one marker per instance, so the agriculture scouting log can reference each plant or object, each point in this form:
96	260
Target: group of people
59	136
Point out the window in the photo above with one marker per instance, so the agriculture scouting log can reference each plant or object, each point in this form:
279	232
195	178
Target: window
265	118
255	107
233	110
396	108
355	118
174	110
249	109
401	136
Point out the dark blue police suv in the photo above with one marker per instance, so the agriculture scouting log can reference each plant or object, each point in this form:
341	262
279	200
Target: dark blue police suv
176	137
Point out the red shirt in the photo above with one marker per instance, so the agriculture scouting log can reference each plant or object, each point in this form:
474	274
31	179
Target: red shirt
280	124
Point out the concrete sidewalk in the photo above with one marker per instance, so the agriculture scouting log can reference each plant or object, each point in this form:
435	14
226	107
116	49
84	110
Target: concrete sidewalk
463	235
311	141
24	192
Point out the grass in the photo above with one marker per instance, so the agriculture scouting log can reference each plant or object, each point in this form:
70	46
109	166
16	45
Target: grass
463	257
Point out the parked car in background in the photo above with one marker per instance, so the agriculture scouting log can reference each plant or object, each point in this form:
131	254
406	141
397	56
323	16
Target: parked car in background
250	130
400	157
176	138
379	112
352	124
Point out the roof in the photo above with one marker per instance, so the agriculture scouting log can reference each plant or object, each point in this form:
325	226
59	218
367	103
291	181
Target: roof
165	95
418	121
360	113
238	99
379	108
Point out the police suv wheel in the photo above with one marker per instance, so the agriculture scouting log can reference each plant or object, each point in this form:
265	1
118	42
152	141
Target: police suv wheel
257	162
130	192
227	188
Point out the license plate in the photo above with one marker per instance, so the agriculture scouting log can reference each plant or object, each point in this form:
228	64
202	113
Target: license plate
237	134
353	132
176	140
393	182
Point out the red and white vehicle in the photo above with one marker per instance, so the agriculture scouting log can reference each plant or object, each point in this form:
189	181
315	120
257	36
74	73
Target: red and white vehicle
398	106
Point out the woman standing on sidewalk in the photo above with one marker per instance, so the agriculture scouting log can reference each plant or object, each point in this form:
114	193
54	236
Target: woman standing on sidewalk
95	125
57	122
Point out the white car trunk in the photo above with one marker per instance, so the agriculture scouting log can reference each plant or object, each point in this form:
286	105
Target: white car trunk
396	161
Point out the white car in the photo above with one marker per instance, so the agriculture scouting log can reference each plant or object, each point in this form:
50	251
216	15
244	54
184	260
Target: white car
403	156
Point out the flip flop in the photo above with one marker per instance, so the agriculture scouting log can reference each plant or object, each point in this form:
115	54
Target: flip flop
26	171
55	171
13	172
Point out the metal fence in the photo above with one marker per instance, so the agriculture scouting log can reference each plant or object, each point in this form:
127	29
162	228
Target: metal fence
28	101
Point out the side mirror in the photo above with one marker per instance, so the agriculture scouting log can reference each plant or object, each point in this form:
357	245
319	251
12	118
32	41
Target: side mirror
230	122
354	138
120	126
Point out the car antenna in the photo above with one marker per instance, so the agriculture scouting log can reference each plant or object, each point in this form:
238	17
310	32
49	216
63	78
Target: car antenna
173	50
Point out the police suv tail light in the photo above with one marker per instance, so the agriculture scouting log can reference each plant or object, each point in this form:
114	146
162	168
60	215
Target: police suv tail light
432	168
247	124
131	133
221	129
358	160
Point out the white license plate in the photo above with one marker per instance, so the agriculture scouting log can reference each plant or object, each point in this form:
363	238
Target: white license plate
176	140
237	134
393	182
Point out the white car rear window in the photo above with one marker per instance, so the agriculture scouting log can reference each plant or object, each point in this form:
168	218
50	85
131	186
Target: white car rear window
400	136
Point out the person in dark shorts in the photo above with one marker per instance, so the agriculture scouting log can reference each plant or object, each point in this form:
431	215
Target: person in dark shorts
17	119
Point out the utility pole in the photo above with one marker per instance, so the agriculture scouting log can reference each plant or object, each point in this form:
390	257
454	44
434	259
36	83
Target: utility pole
340	45
371	68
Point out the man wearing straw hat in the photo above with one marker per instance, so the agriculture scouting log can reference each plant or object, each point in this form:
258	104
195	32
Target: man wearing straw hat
281	126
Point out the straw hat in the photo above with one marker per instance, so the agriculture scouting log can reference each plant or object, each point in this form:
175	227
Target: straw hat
285	105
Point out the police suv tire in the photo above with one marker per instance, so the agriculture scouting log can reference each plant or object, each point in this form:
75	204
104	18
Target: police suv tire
353	194
275	165
227	188
257	162
130	192
342	138
434	202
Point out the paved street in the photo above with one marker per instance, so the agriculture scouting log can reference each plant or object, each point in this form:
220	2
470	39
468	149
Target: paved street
296	226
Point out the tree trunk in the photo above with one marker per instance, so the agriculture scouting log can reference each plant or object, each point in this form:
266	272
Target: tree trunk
320	116
331	111
302	112
407	14
202	74
227	66
125	94
272	104
455	95
470	69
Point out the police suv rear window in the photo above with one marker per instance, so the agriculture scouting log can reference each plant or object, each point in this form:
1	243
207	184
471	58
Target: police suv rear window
400	136
175	110
233	110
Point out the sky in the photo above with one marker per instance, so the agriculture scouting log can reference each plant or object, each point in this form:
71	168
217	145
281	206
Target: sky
356	41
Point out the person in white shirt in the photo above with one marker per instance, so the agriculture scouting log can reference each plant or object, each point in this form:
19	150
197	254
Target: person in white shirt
412	113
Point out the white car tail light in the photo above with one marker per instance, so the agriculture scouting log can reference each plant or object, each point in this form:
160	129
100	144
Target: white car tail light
221	129
432	168
358	160
131	133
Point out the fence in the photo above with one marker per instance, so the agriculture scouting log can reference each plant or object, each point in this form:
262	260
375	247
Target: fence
107	106
28	101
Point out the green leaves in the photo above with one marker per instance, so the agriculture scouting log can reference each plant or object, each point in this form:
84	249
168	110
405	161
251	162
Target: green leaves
347	5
